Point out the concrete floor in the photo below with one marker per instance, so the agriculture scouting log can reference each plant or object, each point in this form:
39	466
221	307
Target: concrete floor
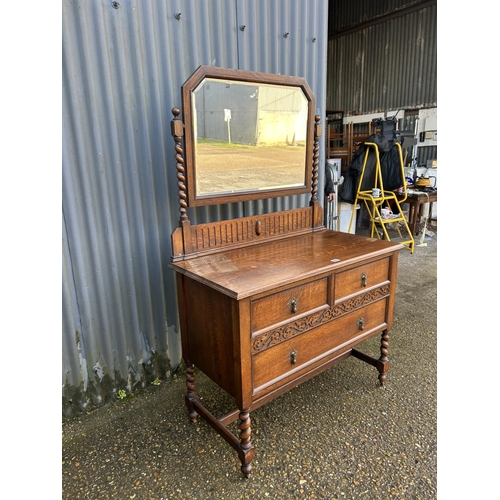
337	436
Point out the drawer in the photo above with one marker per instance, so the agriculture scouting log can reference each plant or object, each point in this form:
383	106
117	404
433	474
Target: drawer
361	278
276	363
289	304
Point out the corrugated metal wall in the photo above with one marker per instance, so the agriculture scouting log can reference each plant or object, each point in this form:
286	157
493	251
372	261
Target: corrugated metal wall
123	65
347	15
386	65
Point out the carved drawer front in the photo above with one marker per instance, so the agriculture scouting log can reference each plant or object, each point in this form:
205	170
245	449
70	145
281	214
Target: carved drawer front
361	278
277	363
289	304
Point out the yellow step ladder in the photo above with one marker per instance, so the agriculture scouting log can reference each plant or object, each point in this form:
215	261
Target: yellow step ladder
374	205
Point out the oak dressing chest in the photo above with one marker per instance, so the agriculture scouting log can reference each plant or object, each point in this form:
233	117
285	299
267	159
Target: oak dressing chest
266	301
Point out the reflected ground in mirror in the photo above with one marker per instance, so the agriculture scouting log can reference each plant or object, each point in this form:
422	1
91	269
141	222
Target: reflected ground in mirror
236	168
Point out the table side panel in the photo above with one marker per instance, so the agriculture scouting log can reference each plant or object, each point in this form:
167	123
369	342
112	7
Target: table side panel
393	272
242	363
209	321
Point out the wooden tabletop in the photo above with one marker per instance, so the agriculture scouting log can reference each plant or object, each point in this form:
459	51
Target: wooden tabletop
422	196
242	272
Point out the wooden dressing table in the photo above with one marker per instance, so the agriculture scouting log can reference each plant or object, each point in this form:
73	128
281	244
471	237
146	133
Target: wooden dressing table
268	301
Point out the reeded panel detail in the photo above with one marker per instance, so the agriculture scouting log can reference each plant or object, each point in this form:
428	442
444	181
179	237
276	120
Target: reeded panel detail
237	231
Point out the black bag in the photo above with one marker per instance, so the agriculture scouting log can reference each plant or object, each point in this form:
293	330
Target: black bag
390	166
348	189
387	129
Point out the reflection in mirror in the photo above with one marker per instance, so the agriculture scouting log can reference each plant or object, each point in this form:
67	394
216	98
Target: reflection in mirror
248	136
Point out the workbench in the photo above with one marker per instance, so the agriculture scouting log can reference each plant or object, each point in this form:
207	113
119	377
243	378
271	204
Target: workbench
416	201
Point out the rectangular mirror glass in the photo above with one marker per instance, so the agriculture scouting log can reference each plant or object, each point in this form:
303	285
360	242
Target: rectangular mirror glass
259	130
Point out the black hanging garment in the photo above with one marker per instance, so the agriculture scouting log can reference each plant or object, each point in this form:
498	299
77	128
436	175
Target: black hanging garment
390	168
390	162
349	187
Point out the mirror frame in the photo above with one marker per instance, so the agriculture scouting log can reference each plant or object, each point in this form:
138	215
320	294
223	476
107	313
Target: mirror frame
191	84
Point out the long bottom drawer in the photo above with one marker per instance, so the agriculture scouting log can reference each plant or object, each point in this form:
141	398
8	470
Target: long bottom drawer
281	362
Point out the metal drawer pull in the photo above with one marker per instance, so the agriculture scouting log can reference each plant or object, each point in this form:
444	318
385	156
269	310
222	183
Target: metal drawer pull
361	323
293	357
363	279
293	305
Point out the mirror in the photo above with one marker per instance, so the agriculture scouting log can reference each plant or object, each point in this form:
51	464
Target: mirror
247	135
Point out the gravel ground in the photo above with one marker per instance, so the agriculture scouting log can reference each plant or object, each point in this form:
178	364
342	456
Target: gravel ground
337	436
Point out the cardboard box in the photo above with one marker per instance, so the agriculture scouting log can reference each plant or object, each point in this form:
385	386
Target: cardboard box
345	213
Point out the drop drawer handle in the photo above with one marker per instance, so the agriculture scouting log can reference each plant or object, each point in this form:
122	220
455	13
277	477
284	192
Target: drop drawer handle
363	279
361	323
293	305
293	356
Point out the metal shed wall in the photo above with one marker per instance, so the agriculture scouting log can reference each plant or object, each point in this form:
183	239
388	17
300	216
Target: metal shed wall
123	66
386	63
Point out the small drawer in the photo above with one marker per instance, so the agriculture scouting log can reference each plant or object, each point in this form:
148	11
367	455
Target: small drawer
289	304
361	278
280	362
